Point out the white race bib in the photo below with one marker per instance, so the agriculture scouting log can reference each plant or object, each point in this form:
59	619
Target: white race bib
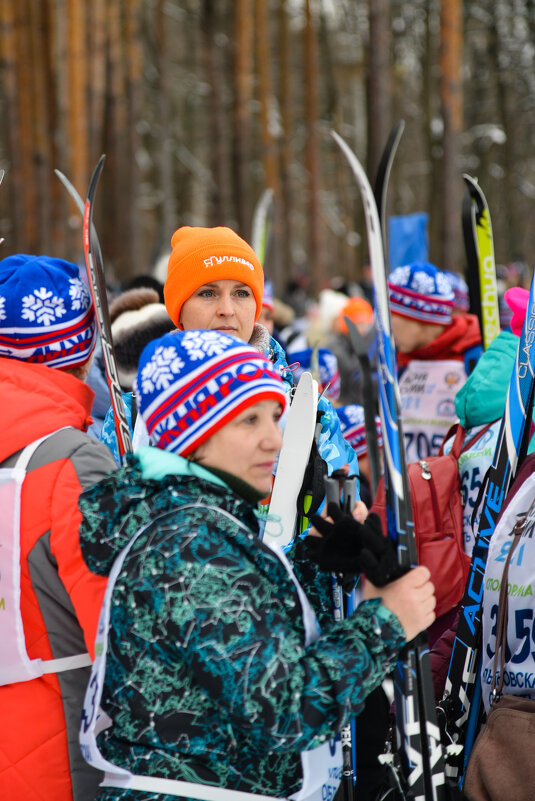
428	390
519	671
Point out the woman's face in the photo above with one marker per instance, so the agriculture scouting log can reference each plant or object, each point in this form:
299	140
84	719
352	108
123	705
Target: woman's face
247	446
223	305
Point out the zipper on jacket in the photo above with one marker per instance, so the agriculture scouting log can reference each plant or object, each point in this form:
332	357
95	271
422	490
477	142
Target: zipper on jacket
426	474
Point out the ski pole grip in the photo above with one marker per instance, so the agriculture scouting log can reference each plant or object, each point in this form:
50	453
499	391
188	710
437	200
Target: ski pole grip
349	494
332	490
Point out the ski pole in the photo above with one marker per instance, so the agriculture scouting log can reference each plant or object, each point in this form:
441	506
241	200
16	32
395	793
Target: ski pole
361	345
332	492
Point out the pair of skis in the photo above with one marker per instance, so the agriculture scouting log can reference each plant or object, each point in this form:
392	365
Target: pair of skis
418	766
97	283
361	343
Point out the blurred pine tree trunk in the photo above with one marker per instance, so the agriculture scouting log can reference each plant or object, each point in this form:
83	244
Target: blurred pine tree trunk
286	96
451	97
379	95
220	210
11	89
165	155
243	80
315	253
269	125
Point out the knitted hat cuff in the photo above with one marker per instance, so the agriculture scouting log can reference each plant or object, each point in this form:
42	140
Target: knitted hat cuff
411	304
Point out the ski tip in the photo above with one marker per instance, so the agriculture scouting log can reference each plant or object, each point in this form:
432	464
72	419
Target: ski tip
475	192
72	191
95	178
470	181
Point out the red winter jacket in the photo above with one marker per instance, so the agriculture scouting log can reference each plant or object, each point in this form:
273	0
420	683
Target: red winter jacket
461	334
40	758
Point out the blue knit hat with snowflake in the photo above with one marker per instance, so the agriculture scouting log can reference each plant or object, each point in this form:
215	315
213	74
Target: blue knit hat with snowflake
326	367
190	384
46	312
421	292
353	427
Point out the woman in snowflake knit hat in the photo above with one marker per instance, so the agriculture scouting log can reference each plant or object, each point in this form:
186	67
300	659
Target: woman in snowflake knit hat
212	668
436	352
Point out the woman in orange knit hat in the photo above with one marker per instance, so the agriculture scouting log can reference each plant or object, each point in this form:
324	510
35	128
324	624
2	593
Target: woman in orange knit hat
215	281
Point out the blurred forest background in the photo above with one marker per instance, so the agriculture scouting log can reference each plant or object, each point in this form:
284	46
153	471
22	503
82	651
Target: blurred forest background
202	104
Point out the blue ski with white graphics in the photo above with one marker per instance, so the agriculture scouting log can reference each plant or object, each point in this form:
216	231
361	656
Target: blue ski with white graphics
418	767
461	702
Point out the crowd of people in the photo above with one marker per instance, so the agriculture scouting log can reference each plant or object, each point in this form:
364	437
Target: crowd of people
154	647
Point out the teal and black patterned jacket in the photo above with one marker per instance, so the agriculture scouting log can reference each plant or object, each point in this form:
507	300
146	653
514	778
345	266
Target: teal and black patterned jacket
207	675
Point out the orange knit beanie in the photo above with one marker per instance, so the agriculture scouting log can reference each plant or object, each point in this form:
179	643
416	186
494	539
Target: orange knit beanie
203	255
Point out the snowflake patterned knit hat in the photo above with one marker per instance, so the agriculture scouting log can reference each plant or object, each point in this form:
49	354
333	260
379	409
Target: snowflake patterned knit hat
46	312
421	292
327	366
353	428
192	383
203	255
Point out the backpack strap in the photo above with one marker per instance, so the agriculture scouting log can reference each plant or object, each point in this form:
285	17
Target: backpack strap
16	665
459	431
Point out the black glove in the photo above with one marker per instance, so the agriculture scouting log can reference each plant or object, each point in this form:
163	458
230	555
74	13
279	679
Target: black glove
348	546
378	557
338	550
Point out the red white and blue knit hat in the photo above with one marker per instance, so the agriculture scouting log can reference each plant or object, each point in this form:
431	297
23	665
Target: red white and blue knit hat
190	384
329	374
353	428
421	292
46	313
